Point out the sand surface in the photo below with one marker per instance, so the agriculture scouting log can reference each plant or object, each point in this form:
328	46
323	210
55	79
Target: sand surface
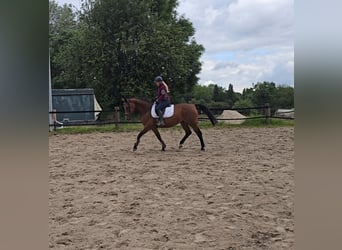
238	194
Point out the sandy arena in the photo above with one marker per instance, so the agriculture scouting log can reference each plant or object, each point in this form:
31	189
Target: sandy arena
238	194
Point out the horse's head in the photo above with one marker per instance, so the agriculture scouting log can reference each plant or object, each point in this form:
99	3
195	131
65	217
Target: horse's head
129	107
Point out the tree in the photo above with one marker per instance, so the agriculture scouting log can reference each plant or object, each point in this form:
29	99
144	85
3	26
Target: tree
264	93
216	93
202	94
119	46
219	94
244	103
267	92
231	96
61	27
284	97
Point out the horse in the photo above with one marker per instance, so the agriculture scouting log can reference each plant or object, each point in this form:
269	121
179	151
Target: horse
186	114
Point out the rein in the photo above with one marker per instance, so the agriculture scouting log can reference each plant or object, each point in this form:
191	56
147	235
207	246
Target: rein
128	109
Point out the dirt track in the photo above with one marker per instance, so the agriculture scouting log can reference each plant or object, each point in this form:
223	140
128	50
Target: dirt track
237	195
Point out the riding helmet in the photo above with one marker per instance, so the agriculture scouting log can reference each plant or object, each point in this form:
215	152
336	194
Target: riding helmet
158	79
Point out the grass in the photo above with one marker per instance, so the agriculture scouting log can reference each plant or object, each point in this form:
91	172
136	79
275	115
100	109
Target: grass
260	122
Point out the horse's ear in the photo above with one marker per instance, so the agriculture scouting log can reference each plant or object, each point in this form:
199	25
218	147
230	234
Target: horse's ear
124	99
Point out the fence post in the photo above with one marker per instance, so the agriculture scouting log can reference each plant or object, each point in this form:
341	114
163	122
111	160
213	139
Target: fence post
267	113
116	116
54	118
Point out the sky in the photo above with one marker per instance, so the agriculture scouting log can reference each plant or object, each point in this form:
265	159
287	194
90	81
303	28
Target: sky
245	41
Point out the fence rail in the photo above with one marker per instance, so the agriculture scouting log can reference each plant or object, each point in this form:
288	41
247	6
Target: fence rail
234	119
80	111
110	111
267	115
217	108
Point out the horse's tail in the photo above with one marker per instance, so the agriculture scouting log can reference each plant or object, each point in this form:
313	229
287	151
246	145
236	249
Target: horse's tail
204	109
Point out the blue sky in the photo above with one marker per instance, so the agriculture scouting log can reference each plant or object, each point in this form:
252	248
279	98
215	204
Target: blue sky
245	41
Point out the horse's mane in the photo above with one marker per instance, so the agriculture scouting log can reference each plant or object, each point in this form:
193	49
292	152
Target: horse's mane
141	106
140	101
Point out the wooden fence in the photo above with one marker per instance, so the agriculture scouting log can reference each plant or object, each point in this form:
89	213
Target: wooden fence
115	115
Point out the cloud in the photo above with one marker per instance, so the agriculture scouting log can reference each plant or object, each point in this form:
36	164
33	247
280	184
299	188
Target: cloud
245	40
75	3
249	67
240	25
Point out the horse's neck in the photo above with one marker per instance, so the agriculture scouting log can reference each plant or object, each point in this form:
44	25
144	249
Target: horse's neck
142	106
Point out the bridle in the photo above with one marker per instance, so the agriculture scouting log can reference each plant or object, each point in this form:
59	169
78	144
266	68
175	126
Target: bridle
127	108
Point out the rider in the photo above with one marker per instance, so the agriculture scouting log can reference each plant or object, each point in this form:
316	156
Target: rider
163	99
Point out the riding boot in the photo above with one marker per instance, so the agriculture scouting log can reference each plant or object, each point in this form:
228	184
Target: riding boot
160	118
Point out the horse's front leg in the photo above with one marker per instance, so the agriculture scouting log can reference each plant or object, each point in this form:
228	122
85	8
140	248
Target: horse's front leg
156	132
144	131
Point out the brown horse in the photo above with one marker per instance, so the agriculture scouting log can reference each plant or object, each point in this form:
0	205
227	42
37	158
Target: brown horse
185	114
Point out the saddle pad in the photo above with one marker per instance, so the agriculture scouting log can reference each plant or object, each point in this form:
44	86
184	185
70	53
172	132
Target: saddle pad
168	111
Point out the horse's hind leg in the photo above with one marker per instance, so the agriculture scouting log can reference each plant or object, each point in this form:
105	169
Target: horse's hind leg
199	134
144	131
156	132
188	132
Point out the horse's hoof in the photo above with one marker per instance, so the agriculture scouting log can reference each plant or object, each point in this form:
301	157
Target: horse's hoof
203	149
180	146
134	149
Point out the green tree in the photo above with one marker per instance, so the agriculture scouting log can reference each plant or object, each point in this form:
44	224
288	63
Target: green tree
284	97
264	93
267	92
219	94
202	94
232	97
119	46
244	103
247	93
62	24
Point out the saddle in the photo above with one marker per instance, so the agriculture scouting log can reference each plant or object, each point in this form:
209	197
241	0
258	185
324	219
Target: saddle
169	111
